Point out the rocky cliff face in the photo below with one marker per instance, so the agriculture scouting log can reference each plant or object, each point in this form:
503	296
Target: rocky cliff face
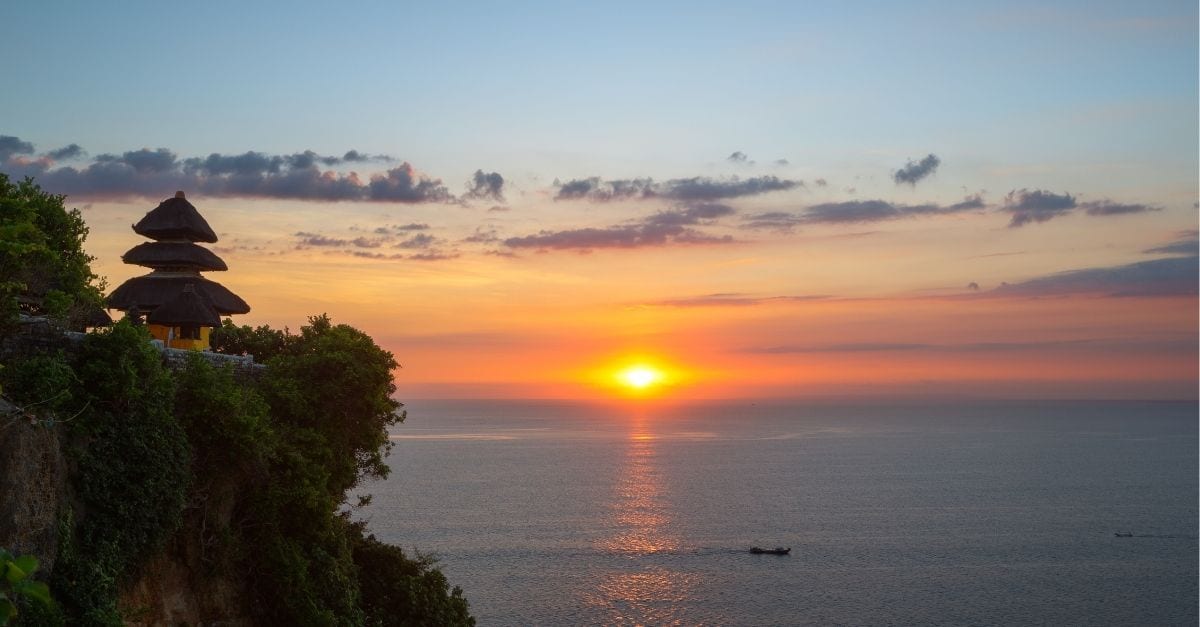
33	485
181	584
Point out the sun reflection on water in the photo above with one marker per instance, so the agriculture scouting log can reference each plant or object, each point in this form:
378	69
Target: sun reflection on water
639	510
638	592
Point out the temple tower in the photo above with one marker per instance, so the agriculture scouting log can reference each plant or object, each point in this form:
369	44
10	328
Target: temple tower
181	306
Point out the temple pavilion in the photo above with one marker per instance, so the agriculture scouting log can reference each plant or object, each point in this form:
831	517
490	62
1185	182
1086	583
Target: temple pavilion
181	307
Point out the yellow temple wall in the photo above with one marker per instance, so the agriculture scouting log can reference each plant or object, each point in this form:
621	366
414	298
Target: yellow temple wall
160	332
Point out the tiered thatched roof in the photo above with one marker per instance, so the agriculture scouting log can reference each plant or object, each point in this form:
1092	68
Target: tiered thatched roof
175	218
173	255
189	308
156	289
175	294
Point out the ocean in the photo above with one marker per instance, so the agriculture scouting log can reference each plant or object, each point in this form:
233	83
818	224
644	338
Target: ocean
1006	513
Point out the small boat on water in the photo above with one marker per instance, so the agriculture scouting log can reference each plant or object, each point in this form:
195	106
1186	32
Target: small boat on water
775	551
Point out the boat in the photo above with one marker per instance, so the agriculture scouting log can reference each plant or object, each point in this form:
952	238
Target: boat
775	551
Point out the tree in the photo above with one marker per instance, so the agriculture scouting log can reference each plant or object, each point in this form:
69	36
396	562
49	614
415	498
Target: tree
262	342
43	267
334	380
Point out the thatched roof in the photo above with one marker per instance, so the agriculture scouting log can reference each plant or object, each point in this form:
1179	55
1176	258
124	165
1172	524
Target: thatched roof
173	255
188	308
154	290
99	318
175	218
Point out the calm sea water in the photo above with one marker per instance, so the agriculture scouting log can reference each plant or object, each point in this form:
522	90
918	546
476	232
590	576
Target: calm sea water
551	513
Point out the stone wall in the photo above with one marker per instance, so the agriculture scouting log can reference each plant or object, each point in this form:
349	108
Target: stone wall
243	365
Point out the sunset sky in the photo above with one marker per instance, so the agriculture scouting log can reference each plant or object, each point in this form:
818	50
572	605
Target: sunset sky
759	199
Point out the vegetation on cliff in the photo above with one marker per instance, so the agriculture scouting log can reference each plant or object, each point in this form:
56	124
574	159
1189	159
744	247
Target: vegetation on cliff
43	267
243	479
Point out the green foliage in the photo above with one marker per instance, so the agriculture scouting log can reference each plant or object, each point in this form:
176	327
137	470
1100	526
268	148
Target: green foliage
17	583
266	468
335	380
398	590
263	342
327	400
42	260
131	470
227	423
329	390
43	384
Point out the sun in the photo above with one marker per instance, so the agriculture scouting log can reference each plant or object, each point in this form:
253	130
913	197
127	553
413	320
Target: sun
639	377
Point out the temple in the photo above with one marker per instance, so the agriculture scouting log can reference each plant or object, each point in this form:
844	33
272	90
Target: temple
181	307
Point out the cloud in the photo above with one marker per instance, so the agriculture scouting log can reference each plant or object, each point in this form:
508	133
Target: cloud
737	157
821	182
1040	206
367	255
10	146
434	255
973	286
412	226
1089	344
403	184
354	156
913	172
1036	206
316	239
695	189
861	347
630	236
481	236
773	221
782	162
486	186
707	189
144	161
1173	276
1109	208
156	173
72	151
365	248
658	229
855	211
420	240
695	214
1187	244
596	189
732	300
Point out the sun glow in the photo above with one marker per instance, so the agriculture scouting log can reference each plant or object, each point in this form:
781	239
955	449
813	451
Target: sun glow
640	377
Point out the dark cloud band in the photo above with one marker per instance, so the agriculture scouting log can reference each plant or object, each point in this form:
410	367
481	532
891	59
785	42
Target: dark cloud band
695	189
156	173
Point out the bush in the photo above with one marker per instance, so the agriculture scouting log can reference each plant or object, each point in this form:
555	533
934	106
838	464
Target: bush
398	590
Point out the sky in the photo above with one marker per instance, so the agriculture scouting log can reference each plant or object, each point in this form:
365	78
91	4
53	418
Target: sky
757	199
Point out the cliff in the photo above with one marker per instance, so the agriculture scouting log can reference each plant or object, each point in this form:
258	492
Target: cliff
168	487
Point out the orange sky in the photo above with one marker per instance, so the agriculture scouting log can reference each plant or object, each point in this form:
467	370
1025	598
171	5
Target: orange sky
766	200
827	312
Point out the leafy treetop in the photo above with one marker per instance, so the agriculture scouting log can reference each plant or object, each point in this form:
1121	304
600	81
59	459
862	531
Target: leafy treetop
43	267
